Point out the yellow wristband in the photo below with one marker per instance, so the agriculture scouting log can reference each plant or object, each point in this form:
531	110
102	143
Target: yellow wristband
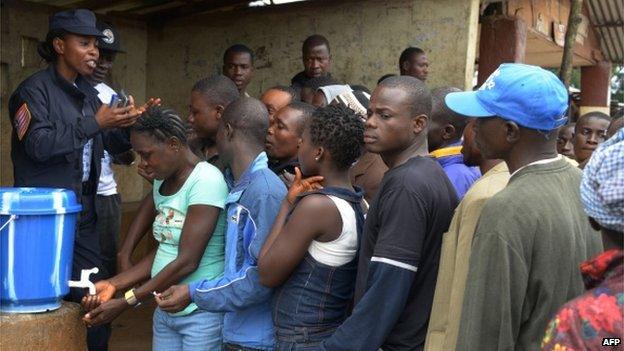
130	297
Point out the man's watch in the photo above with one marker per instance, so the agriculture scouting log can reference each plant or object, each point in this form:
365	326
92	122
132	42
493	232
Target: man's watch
131	298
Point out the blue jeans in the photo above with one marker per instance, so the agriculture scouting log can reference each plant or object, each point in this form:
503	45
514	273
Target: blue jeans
299	339
198	331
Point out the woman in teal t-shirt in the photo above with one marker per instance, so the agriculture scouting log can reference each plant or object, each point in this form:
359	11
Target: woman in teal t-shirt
186	215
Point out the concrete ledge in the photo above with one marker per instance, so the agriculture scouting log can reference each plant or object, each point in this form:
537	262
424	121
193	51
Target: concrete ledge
59	330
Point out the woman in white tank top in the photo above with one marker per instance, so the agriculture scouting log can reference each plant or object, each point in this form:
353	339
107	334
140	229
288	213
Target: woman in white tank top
311	251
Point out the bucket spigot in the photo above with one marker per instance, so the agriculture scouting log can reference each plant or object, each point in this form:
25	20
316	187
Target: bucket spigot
84	281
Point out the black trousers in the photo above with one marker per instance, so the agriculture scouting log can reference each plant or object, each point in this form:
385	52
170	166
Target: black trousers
87	254
107	226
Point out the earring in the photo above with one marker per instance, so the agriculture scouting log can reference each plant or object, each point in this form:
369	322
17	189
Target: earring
317	159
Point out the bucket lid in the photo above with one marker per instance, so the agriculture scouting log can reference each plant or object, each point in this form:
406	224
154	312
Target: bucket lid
37	201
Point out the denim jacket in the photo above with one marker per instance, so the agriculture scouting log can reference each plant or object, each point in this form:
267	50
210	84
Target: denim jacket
252	206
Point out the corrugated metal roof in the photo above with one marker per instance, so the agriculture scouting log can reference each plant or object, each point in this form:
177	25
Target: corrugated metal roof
148	9
607	16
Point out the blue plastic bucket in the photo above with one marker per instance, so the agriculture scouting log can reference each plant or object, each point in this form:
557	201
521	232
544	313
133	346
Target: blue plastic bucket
37	227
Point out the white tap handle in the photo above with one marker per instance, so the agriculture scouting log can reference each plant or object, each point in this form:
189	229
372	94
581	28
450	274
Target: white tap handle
84	276
84	281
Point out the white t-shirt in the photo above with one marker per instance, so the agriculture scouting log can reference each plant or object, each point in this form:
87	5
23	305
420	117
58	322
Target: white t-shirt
105	93
107	185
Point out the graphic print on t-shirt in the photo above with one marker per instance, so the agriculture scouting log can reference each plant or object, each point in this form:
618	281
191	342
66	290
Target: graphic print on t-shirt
167	219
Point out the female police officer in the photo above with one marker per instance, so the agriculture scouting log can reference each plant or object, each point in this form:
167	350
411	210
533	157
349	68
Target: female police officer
60	130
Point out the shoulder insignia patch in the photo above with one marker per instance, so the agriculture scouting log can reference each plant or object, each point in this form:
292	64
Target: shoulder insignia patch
22	121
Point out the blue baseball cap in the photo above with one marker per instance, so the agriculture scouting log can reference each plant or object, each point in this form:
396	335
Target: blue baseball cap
80	21
528	95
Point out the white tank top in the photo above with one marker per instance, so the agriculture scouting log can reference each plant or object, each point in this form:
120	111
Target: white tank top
341	250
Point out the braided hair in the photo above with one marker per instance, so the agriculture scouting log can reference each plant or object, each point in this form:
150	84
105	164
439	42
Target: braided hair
340	130
162	123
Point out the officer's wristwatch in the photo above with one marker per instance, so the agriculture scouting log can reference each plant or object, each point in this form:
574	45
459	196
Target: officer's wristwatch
131	298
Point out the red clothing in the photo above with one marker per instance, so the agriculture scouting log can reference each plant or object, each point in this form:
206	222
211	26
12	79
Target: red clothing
584	322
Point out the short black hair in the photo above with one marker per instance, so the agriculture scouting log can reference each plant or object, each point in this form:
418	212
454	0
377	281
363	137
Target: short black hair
249	116
314	40
306	112
340	131
408	53
238	49
444	115
218	89
419	94
294	94
321	81
382	78
567	125
616	124
162	123
594	114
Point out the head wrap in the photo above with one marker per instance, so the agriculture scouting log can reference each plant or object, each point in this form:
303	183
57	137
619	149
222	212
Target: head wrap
331	91
602	185
355	100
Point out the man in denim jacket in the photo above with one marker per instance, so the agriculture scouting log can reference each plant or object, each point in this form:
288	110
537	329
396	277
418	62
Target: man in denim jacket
252	205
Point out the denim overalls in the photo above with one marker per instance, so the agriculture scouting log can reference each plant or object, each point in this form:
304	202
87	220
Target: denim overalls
316	298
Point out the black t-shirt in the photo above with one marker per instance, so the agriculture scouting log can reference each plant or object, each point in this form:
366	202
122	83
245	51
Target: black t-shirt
404	227
299	79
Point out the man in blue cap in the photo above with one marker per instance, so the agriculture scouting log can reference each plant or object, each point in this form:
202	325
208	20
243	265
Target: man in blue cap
533	234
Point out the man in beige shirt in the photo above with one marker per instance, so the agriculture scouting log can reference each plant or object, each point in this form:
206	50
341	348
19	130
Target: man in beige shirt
456	246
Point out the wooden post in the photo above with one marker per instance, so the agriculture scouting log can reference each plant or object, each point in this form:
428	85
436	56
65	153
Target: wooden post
503	40
565	72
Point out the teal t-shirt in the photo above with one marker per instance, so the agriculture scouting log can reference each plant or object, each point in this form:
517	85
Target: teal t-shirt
204	186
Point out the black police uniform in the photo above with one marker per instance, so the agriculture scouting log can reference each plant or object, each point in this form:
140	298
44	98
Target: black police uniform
53	119
50	154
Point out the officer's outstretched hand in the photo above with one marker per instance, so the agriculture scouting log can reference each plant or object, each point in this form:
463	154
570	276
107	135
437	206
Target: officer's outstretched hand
117	117
174	299
149	103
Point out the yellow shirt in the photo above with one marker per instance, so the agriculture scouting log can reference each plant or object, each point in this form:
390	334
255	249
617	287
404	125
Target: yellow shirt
455	257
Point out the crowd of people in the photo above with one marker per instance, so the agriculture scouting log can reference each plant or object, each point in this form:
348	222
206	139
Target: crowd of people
327	216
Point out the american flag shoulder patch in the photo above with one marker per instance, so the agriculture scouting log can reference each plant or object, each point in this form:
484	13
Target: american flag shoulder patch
22	121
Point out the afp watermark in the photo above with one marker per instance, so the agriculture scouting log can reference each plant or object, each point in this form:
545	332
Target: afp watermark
611	341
